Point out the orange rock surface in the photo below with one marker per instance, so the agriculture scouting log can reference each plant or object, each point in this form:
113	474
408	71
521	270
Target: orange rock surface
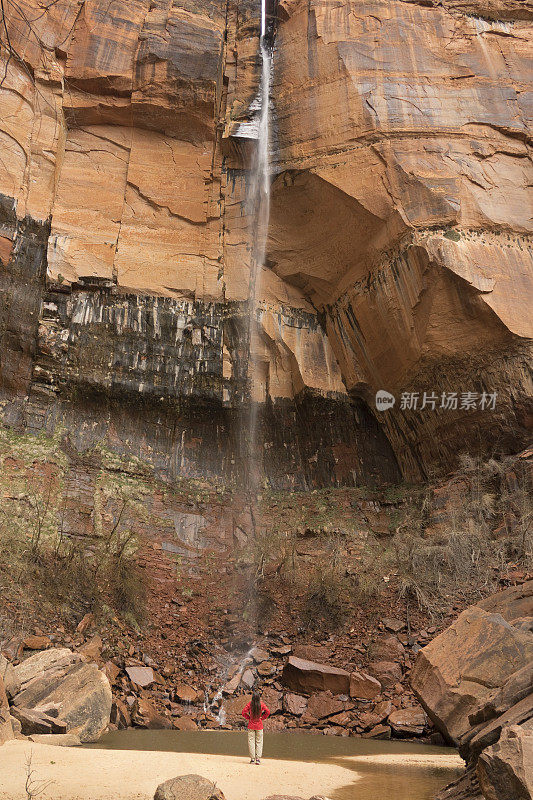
398	254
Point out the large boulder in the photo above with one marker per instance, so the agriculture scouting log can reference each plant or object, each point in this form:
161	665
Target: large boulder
505	770
233	709
9	677
363	686
300	675
386	648
38	722
476	682
294	704
388	673
79	693
6	728
323	704
460	669
188	787
272	699
145	715
408	721
513	603
47	663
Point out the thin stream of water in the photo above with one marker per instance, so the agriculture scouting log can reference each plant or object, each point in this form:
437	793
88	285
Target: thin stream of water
259	206
258	202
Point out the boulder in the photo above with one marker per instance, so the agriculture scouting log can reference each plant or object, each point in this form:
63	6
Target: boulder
36	642
233	684
141	676
37	721
476	682
275	723
120	716
484	735
248	679
309	676
259	655
517	686
80	692
408	721
388	673
281	650
9	677
92	650
233	709
312	652
56	659
343	719
466	787
294	704
86	623
393	625
266	669
186	694
145	715
56	739
380	712
6	729
458	671
386	648
323	704
378	732
111	671
512	604
185	724
505	770
272	699
188	787
363	686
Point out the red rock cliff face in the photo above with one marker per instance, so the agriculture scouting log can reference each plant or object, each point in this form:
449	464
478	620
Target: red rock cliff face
398	254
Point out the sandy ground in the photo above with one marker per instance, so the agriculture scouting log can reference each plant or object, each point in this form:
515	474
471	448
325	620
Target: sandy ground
79	774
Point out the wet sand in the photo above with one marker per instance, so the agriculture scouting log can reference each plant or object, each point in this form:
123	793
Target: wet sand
93	774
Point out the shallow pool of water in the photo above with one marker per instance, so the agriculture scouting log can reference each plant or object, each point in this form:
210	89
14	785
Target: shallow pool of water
382	770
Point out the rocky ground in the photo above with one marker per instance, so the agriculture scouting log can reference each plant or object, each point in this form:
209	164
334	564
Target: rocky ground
474	681
356	580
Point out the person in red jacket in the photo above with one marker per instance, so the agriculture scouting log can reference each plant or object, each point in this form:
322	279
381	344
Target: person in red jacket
255	712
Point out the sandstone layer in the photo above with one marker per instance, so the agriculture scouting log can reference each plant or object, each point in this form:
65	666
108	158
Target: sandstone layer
398	255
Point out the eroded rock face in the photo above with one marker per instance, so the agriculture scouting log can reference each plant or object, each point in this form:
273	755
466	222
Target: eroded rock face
409	133
398	235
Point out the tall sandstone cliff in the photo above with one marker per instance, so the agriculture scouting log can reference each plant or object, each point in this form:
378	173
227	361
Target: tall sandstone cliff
398	253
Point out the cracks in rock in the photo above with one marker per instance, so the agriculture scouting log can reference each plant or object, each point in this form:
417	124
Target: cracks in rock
106	139
158	207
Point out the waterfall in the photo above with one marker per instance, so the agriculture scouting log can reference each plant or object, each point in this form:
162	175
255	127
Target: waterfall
259	209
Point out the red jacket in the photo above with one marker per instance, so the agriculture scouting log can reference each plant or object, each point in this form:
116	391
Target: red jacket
255	724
